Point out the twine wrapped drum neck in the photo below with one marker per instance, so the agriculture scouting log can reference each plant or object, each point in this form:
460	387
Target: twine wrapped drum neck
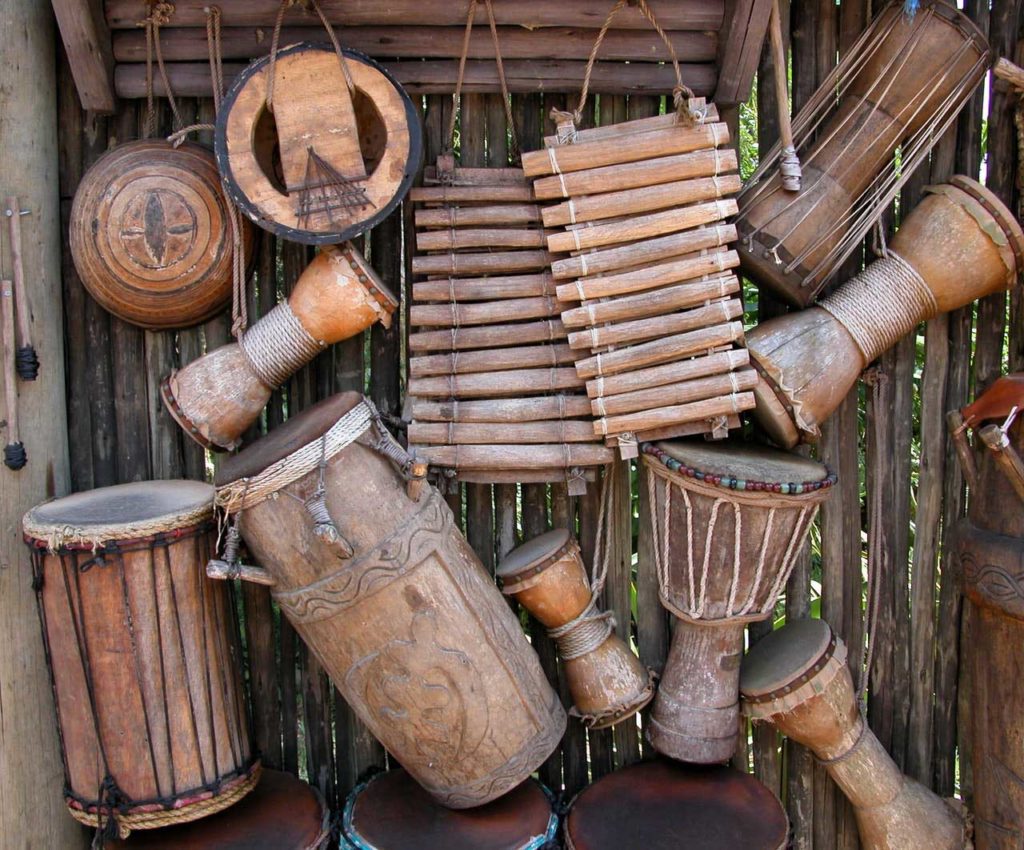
882	304
278	345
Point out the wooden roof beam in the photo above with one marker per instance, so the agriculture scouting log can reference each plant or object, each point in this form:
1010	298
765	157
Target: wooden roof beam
739	46
86	38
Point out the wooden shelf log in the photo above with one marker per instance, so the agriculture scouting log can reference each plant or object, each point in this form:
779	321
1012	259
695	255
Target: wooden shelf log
496	384
451	216
714	314
516	457
683	392
664	417
459	433
501	410
479	264
448	240
505	194
484	313
468	362
716	262
492	336
622	129
484	288
684	370
657	302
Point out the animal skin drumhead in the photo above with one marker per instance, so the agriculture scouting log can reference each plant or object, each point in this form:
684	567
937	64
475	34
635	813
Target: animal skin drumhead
151	235
665	805
323	161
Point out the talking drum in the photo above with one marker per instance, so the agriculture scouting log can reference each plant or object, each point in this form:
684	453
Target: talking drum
959	244
143	655
728	521
218	396
282	813
379	582
797	679
901	85
315	145
151	235
391	812
547	577
661	805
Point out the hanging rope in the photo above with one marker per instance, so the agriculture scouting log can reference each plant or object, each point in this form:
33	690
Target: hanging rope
460	79
681	93
159	15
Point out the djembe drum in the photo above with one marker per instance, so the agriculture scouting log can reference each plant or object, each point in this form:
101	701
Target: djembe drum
218	396
728	522
391	812
797	679
150	234
661	805
143	654
377	579
901	85
282	813
547	577
960	243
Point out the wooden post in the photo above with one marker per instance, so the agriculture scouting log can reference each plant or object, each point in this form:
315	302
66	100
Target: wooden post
31	775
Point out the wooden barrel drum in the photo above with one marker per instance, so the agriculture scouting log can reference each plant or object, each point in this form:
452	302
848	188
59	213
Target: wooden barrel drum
218	396
151	236
959	244
391	812
282	813
331	156
547	577
728	522
905	80
143	653
387	593
661	805
797	679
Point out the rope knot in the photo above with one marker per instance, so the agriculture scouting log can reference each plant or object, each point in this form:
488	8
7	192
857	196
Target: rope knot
565	125
682	94
159	15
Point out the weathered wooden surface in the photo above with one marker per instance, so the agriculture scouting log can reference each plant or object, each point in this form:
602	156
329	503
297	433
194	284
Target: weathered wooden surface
31	776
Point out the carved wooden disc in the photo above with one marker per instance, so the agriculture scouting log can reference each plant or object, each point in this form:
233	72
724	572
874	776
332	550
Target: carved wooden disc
151	237
321	166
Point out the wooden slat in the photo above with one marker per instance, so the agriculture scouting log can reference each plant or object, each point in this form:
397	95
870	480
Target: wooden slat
738	52
87	45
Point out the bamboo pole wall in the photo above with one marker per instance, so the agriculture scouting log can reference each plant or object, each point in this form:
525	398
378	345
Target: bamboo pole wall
887	439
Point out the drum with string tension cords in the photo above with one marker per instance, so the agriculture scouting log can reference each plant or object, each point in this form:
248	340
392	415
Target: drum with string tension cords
797	679
901	85
218	396
728	521
366	561
959	244
391	812
546	575
144	655
662	805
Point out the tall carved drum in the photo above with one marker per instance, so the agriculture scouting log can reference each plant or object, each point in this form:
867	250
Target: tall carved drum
387	593
143	652
728	521
660	805
797	679
391	812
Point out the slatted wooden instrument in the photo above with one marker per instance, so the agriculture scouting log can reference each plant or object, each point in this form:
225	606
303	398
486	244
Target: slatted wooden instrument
650	305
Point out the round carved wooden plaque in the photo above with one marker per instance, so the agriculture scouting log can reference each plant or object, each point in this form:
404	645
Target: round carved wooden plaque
151	237
324	162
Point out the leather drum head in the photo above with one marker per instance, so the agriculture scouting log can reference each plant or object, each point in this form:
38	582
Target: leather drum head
282	813
737	459
665	805
784	656
392	812
533	553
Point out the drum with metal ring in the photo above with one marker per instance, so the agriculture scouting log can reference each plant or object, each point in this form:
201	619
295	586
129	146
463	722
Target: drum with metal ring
662	805
144	655
392	812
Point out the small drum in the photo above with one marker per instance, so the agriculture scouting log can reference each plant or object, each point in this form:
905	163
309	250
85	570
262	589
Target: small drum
143	654
334	154
547	577
379	582
661	805
282	813
391	812
728	521
797	679
151	234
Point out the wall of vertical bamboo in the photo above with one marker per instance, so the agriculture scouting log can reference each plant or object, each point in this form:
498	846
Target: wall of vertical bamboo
888	439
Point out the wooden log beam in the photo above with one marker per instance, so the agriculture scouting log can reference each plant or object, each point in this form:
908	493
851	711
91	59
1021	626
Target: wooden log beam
529	14
437	76
188	44
740	52
87	45
31	774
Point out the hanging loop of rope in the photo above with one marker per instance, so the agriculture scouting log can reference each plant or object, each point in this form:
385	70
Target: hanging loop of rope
159	15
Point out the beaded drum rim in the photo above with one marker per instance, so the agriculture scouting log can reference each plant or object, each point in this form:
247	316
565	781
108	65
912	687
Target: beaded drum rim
351	839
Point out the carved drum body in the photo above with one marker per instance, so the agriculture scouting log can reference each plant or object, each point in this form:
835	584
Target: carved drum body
143	655
404	618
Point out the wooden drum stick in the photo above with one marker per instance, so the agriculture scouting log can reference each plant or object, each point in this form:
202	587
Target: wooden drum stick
14	452
789	164
26	359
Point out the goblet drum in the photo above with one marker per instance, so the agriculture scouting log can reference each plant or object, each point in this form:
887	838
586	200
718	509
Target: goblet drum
547	577
661	805
377	579
143	654
797	679
728	522
391	812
